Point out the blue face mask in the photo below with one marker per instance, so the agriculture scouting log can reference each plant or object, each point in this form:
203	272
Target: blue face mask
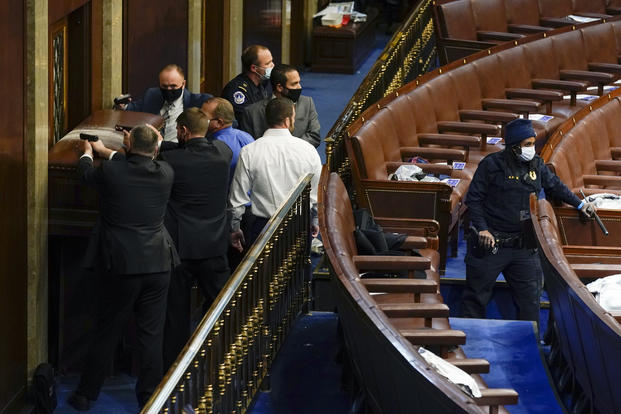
267	74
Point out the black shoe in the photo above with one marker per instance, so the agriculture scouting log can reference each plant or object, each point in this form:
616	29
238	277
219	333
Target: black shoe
79	402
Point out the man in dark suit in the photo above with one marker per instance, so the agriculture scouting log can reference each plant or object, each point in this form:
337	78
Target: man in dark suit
197	221
285	82
169	100
130	245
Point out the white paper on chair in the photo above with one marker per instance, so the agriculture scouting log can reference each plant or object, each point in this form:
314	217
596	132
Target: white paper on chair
337	8
539	117
605	201
449	371
582	19
607	291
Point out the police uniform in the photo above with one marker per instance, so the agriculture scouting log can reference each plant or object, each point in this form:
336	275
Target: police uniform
241	92
498	201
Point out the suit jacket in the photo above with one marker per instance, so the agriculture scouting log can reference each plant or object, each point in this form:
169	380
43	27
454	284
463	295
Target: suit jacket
153	101
130	237
307	126
196	216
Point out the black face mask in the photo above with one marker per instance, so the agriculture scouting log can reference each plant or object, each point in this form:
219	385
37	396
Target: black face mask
171	95
294	94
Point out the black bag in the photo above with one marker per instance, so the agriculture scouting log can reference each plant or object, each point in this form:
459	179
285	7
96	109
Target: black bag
372	240
44	389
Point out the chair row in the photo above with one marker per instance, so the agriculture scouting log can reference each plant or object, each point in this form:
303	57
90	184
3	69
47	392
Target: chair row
466	26
587	338
449	114
587	152
385	321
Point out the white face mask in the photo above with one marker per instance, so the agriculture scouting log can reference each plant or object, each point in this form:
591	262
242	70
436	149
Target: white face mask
528	153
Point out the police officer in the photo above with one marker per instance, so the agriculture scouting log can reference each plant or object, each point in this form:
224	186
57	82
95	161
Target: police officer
252	84
501	240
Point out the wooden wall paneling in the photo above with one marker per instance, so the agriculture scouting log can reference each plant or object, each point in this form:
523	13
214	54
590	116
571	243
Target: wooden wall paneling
155	34
298	34
57	9
263	25
96	50
213	47
78	66
13	288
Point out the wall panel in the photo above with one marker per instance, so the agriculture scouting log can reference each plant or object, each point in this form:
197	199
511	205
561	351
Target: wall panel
13	205
155	34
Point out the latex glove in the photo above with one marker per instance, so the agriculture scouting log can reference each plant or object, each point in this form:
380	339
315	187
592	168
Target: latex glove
588	209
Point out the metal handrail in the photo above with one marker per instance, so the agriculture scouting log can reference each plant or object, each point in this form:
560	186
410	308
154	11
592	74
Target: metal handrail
410	52
295	211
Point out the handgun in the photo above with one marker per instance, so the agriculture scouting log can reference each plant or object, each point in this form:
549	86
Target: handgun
119	127
89	137
123	99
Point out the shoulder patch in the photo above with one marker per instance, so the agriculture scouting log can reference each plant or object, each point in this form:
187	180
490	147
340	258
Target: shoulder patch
239	97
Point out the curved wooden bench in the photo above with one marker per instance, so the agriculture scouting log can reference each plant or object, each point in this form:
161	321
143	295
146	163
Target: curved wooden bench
589	338
449	113
385	321
464	27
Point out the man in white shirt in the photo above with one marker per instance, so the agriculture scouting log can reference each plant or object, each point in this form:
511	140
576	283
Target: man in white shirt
269	168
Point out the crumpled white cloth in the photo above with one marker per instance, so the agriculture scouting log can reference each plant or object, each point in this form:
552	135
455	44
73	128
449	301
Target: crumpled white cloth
408	172
449	371
607	291
605	201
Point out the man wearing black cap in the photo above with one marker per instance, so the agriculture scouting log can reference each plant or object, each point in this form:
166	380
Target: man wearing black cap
498	202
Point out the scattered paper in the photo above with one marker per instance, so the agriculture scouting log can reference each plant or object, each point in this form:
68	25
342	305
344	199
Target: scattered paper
451	181
493	140
337	8
582	19
540	117
459	165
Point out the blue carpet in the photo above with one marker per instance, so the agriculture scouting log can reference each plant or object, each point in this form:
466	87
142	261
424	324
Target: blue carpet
304	376
516	361
117	395
332	91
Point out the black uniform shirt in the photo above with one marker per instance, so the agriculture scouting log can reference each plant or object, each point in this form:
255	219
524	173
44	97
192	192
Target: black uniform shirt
499	193
241	92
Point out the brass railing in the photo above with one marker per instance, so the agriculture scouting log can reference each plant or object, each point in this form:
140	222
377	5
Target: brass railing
410	52
229	354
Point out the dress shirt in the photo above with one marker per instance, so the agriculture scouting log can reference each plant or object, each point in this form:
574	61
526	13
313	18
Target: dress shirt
170	112
235	139
270	168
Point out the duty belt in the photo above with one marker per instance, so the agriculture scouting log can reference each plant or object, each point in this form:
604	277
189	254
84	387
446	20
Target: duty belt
511	240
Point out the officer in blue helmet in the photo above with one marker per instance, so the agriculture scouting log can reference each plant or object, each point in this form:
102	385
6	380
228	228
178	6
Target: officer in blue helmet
501	237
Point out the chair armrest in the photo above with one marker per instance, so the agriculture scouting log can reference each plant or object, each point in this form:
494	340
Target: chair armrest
514	105
555	21
613	253
605	67
542	95
499	36
595	77
414	242
593	15
415	310
391	263
608	165
564	85
486	116
447	139
589	270
467	127
400	285
447	337
613	10
527	29
497	396
467	44
615	152
601	180
470	365
391	166
434	153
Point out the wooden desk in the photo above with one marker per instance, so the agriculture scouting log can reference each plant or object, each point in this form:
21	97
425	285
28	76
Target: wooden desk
342	50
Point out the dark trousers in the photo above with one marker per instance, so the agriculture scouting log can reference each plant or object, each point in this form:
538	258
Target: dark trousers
246	224
522	270
211	275
145	295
